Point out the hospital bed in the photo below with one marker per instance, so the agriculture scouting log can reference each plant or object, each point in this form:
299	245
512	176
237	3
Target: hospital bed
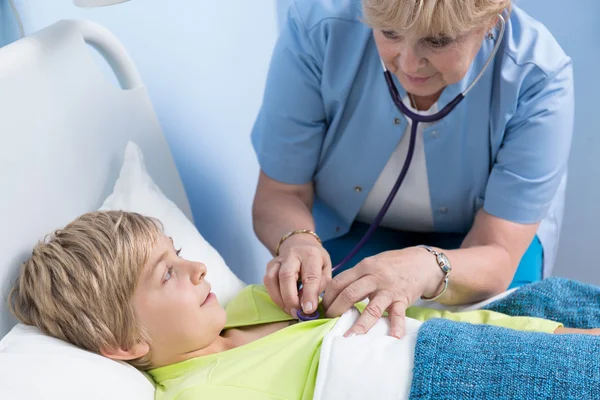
65	126
73	141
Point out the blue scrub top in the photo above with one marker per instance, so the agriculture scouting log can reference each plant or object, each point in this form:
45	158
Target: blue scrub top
327	117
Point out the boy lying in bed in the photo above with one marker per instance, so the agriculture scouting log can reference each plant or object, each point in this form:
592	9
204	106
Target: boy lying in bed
113	283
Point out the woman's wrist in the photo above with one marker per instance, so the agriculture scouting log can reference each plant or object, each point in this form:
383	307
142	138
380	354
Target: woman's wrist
480	272
434	276
300	237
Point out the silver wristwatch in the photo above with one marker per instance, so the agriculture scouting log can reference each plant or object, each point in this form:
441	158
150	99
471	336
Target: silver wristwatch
445	266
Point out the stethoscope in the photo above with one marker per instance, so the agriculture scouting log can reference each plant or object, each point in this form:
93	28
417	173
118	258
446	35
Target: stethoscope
416	119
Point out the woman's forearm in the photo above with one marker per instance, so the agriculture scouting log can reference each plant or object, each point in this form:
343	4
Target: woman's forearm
478	273
486	263
278	215
279	208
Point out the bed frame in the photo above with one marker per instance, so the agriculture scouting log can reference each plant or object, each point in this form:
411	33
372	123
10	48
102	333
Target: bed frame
63	127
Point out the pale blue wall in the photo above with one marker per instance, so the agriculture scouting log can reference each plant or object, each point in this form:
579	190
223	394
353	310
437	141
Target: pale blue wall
204	63
9	30
575	26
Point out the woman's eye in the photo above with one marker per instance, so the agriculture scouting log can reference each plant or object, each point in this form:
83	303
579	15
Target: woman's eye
178	251
439	42
390	35
168	275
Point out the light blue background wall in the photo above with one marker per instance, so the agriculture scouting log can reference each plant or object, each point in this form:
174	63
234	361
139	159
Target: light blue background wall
205	63
575	26
9	30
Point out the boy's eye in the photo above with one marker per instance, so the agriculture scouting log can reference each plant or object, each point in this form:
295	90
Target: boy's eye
168	275
439	42
390	35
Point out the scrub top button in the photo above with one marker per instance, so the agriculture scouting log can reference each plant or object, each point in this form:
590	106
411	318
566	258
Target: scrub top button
397	121
434	134
358	189
443	210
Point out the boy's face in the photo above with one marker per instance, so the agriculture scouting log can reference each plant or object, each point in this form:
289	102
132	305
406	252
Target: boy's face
174	303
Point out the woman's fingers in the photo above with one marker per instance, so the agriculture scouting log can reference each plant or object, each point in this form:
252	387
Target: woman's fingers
372	313
288	283
311	275
354	292
310	264
271	282
397	314
327	273
338	284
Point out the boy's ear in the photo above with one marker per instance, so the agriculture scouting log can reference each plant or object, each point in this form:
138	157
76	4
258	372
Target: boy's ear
140	349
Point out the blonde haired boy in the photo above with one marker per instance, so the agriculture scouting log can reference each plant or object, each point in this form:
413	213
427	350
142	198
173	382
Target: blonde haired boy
112	283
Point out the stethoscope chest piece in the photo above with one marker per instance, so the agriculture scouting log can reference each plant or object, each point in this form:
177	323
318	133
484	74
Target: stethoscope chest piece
307	317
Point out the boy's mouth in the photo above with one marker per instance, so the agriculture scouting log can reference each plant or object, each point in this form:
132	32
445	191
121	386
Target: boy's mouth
210	297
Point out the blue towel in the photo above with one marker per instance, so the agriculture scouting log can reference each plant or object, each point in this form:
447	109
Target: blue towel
456	360
575	304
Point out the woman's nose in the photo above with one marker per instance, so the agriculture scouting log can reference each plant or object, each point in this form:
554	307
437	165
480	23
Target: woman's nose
410	60
198	272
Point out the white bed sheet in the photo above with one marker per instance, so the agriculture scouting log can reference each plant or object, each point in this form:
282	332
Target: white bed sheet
375	365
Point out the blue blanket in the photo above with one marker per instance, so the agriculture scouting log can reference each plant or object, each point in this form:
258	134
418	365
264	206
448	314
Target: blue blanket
463	361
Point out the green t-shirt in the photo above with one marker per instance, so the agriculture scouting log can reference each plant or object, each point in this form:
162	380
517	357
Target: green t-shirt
283	365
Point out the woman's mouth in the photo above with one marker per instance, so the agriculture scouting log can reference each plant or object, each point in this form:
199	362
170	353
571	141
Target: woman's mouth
416	80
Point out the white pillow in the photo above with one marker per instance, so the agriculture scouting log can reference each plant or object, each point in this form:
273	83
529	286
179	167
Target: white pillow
36	366
135	191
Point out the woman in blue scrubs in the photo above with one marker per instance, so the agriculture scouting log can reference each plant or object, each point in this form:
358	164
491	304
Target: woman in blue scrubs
485	189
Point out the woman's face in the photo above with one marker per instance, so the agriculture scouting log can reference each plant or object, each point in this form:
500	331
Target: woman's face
425	65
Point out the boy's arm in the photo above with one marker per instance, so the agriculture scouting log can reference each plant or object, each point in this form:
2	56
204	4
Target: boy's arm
529	324
563	330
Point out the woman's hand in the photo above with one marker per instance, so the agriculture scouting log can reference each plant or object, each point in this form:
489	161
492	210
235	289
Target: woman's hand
391	280
301	257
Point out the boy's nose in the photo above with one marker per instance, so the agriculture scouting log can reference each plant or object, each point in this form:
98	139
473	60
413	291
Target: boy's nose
198	272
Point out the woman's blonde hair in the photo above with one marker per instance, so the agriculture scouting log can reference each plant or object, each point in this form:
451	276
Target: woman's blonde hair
431	18
79	282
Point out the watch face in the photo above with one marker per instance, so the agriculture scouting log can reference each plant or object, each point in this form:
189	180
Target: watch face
444	262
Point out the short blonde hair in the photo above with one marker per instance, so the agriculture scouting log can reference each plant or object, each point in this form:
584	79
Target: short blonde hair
424	18
79	282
